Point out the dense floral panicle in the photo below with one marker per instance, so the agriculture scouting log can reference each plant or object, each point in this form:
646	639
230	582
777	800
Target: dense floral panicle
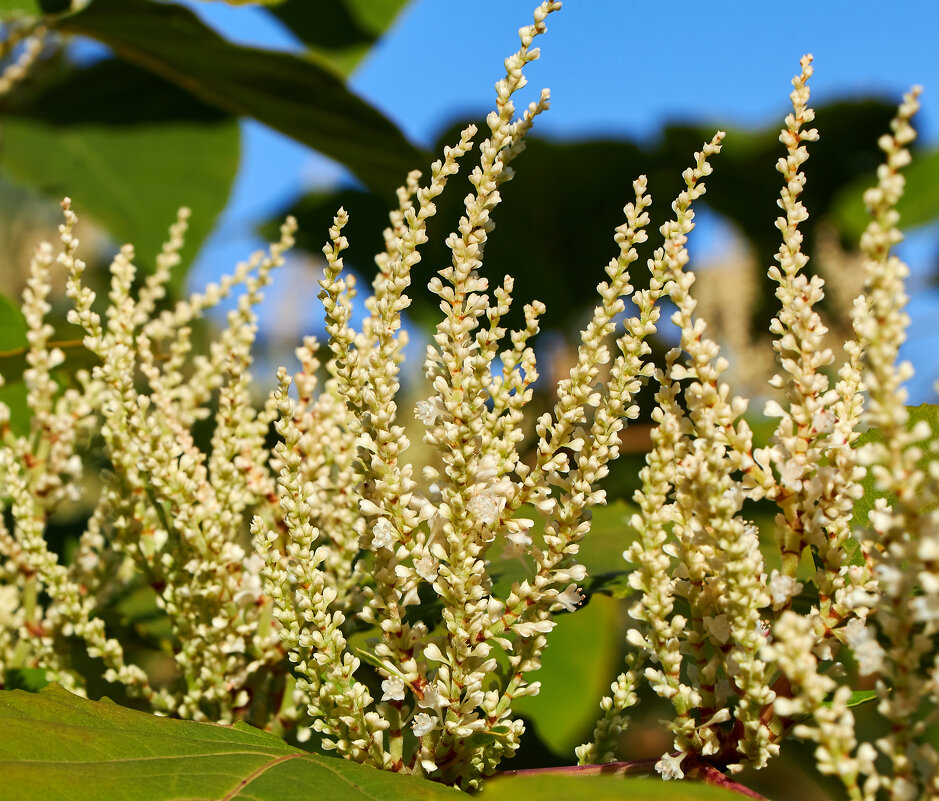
707	602
894	591
346	532
340	582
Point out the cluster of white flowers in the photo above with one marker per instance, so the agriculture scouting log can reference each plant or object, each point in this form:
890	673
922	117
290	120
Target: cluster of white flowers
266	563
280	570
739	663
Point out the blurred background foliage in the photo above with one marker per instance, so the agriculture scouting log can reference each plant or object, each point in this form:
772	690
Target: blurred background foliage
155	124
131	137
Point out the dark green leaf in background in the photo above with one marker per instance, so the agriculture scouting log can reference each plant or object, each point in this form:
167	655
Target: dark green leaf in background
13	338
12	325
291	94
554	229
583	655
918	206
340	32
864	506
32	680
128	148
55	6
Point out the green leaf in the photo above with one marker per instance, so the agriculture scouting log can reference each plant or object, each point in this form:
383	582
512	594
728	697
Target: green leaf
18	7
861	697
12	325
129	180
56	746
919	204
601	552
551	787
864	505
32	680
297	97
340	32
12	341
857	698
129	149
610	534
583	656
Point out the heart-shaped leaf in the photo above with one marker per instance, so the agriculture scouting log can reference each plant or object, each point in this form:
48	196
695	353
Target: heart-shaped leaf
129	148
56	746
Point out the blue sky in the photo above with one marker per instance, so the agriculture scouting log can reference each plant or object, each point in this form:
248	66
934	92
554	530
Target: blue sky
614	67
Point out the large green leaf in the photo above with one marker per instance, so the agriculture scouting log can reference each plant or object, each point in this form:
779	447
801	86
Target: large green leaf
918	206
297	97
55	746
583	655
130	180
342	31
551	787
601	552
128	148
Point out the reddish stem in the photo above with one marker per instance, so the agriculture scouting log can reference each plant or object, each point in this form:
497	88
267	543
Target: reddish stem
706	774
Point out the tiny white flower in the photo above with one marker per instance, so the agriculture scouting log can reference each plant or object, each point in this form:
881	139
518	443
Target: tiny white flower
782	588
431	699
393	689
823	421
519	539
790	474
570	598
423	724
867	650
718	627
427	411
531	628
383	534
669	766
427	567
484	508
